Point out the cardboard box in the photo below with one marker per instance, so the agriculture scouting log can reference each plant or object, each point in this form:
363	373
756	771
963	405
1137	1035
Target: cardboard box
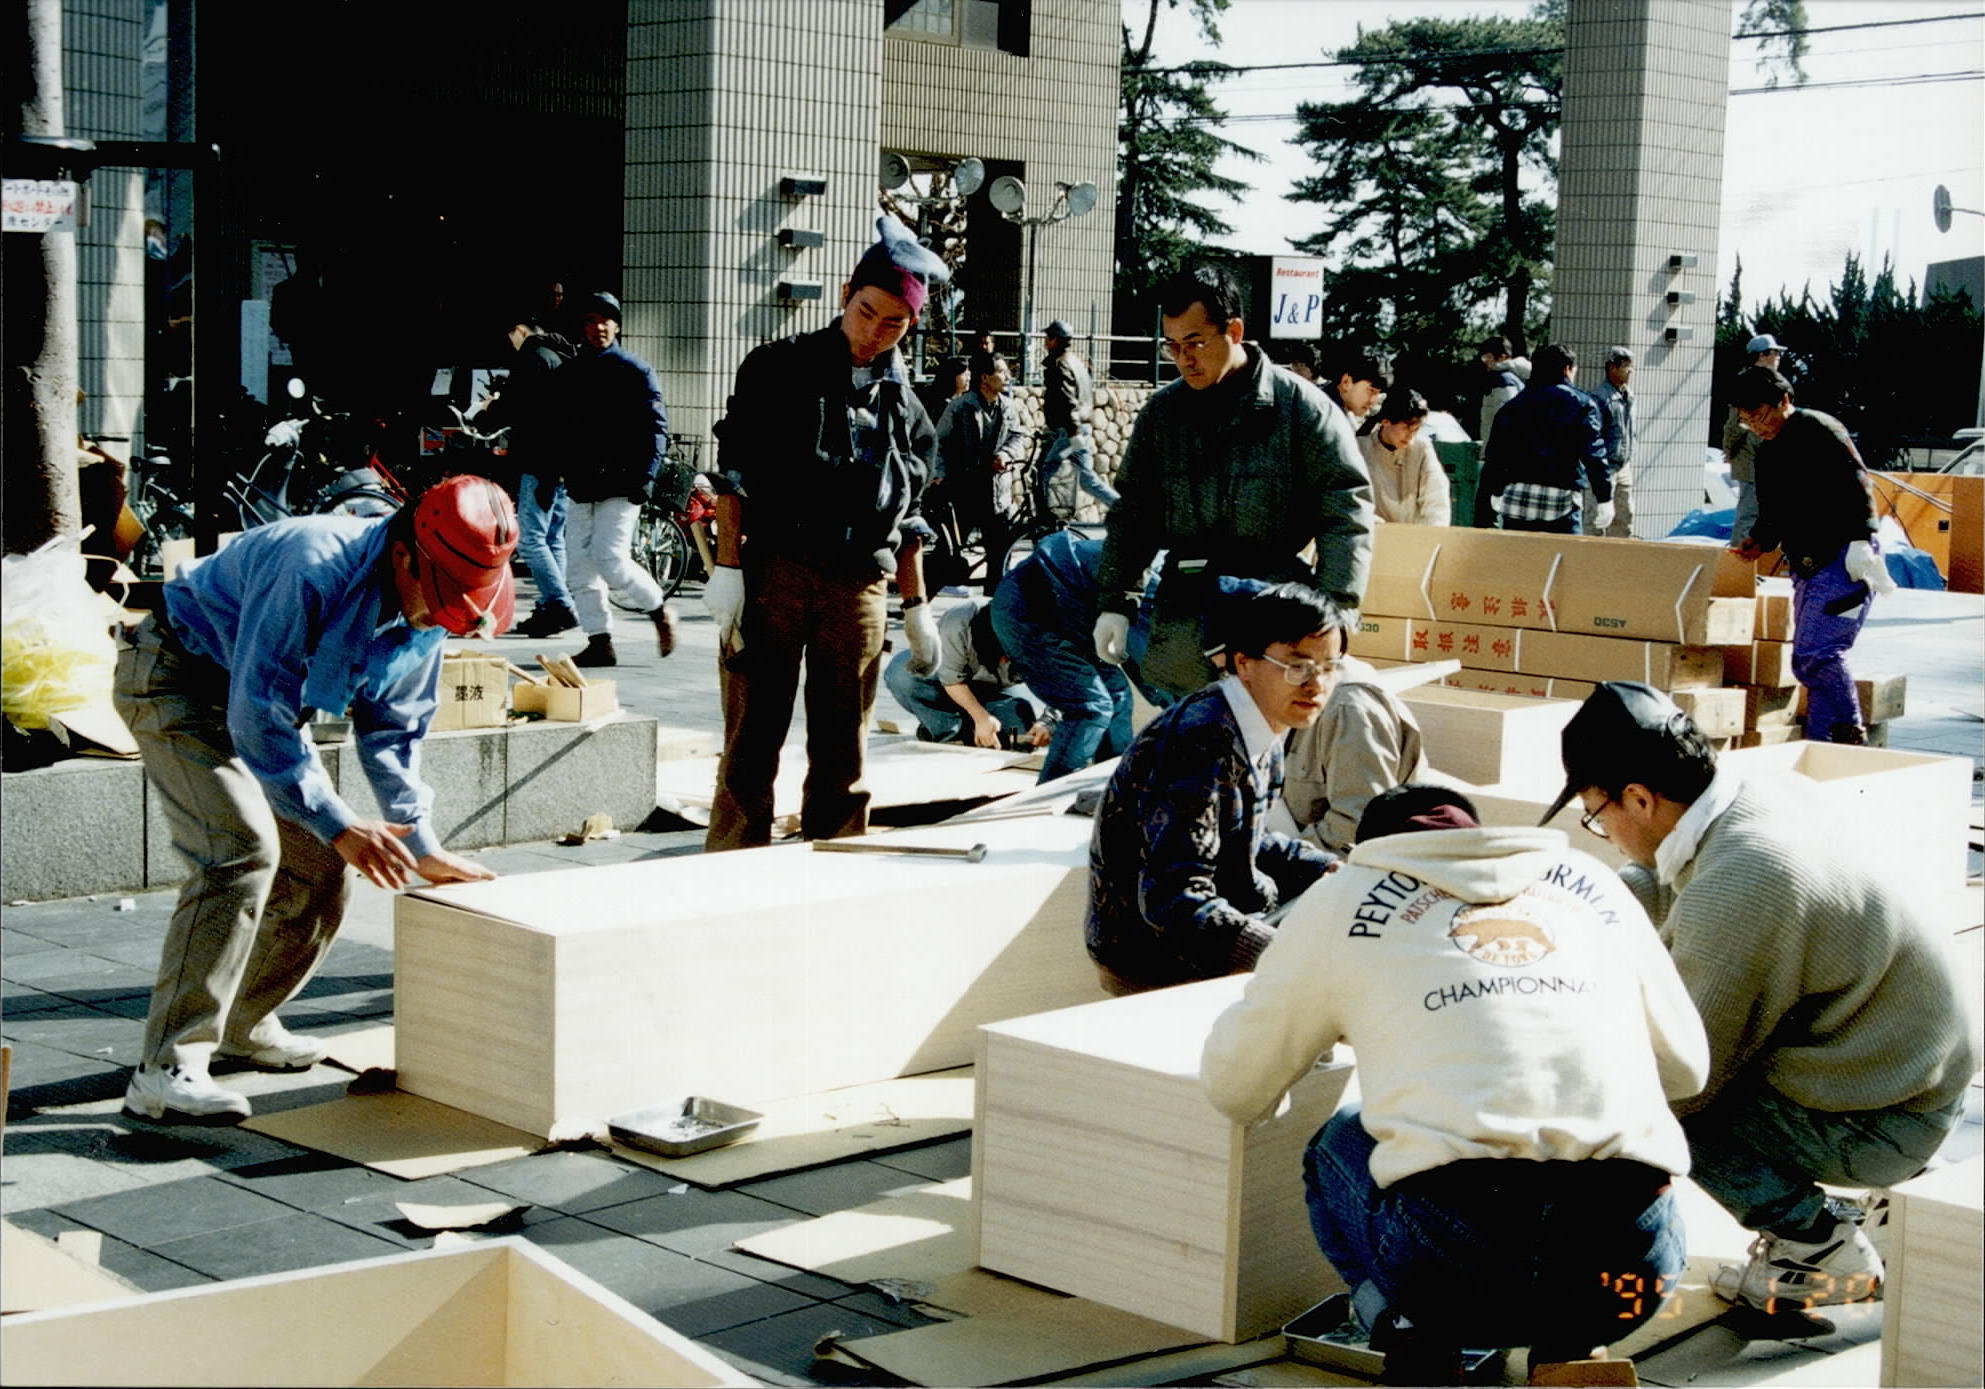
563	704
1766	663
1663	665
1384	638
1491	739
1100	1168
548	1001
1768	735
1931	1307
500	1311
1718	711
1517	683
1483	648
1691	595
475	691
1883	698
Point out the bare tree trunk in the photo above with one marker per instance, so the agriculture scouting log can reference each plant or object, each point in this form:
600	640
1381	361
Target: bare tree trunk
41	282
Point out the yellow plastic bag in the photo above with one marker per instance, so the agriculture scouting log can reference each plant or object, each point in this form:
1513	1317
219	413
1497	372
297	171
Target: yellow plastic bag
56	651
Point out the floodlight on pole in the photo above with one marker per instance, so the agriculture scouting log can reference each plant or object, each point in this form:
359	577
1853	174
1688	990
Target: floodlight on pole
1008	196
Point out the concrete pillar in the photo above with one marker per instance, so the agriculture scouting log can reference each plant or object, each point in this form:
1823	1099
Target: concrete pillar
1640	181
723	99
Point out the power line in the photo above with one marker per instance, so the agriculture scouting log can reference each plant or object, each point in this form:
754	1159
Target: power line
1235	70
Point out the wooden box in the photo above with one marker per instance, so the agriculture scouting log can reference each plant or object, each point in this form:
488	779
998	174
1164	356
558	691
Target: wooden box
1099	1167
497	1312
1931	1307
564	704
1718	711
474	693
1661	664
1883	698
1516	683
1915	806
549	1001
1489	739
1766	663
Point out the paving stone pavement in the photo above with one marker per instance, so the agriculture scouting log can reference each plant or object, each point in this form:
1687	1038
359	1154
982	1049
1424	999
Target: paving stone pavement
182	1206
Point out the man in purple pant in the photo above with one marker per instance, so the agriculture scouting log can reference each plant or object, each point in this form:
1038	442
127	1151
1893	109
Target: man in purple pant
1815	502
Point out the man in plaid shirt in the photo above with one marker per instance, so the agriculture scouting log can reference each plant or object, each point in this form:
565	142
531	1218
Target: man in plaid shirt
1546	447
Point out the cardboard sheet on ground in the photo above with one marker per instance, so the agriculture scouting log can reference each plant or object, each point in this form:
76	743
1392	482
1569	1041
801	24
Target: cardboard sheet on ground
37	1274
898	772
362	1049
401	1135
831	1126
479	1216
1069	1335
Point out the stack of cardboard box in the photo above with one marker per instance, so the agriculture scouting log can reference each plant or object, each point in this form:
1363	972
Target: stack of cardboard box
1550	616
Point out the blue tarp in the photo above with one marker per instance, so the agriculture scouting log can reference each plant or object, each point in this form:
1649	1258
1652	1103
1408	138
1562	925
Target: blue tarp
1908	566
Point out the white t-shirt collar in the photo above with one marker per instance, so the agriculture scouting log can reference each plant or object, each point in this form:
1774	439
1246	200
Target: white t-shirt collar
1677	851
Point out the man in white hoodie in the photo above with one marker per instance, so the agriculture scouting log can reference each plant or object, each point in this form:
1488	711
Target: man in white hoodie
1519	1032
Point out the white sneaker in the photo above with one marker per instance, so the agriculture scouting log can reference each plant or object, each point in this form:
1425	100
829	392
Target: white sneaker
284	1050
1792	1275
190	1093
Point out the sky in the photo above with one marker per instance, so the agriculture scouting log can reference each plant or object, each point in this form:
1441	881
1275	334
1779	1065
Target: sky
1809	175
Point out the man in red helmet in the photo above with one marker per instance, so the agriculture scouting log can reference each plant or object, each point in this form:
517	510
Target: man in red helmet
219	685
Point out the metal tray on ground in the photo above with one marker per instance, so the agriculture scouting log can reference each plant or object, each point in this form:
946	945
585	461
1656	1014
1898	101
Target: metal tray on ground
678	1128
1328	1335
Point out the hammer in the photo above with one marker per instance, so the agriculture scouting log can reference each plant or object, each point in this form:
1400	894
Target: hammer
975	854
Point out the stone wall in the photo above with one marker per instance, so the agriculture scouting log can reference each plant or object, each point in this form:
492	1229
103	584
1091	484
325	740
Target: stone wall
1117	404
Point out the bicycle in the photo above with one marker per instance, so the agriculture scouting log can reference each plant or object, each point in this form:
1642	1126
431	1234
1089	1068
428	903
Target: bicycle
1007	539
674	529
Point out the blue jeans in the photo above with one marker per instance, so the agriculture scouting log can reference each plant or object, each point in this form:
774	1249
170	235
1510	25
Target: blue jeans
1500	1251
943	721
541	540
1093	699
1076	448
1820	642
1759	1154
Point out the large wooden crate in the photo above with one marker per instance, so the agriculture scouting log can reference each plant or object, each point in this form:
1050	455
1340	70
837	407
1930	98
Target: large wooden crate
1917	806
498	1312
1099	1168
553	1000
1491	739
1932	1306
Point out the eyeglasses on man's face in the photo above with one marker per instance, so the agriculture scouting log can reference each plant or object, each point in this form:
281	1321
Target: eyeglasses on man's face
1192	346
1589	822
1303	672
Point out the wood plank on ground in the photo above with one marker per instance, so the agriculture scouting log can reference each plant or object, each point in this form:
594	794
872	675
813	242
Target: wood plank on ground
399	1134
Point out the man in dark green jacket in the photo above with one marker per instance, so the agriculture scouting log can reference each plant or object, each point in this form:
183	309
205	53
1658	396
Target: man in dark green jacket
1232	469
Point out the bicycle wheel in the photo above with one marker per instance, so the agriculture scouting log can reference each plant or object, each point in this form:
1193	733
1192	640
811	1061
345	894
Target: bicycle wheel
662	549
165	523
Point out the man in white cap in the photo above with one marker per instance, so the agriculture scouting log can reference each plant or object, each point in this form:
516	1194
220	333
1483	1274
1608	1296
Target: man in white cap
219	685
823	455
1740	445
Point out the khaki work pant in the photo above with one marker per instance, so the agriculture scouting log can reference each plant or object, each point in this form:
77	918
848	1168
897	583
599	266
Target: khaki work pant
796	616
266	896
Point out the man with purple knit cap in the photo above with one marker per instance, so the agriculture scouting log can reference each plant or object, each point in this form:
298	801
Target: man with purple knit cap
822	458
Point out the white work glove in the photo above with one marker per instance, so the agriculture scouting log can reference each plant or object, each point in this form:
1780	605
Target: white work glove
723	597
1112	638
1602	516
1864	564
920	626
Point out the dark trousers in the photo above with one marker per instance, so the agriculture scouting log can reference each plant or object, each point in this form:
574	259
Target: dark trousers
796	615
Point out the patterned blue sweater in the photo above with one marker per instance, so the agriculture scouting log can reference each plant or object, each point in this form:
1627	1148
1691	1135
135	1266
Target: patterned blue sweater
1181	870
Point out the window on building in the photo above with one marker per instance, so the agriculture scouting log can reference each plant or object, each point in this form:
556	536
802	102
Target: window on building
998	24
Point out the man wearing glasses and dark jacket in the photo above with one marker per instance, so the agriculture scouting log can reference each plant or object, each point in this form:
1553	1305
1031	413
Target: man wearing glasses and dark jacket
1185	880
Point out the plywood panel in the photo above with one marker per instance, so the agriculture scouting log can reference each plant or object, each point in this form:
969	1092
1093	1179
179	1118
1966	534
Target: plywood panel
498	1312
1488	739
1102	1170
1933	1310
747	977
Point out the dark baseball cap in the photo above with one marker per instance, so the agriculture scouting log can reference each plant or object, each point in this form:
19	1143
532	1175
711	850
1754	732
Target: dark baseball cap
1624	727
1058	329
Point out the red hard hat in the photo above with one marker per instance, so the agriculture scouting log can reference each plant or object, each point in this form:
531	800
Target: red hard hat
466	530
